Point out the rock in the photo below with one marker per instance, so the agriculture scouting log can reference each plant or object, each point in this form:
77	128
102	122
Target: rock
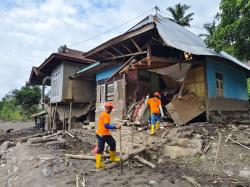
152	183
47	172
182	147
171	180
245	173
229	172
160	161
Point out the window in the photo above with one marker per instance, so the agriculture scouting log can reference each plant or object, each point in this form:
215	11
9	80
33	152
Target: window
219	84
110	92
105	92
55	84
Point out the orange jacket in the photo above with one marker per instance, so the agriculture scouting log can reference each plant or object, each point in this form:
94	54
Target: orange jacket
103	119
154	104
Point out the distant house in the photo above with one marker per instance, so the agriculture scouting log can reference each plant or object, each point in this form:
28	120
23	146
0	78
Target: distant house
69	98
160	55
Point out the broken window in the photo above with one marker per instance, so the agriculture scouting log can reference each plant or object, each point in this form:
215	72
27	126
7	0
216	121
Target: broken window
219	84
110	92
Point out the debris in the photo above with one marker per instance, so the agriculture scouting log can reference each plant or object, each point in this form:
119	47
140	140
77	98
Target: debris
143	161
207	147
68	133
24	139
216	156
80	179
228	137
245	173
47	172
52	135
191	180
125	158
39	140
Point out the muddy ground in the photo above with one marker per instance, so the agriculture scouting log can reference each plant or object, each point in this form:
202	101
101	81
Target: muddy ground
29	165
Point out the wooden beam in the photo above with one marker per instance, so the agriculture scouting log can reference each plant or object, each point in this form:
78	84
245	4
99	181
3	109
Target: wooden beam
125	64
108	52
149	55
121	38
127	55
124	46
136	45
119	52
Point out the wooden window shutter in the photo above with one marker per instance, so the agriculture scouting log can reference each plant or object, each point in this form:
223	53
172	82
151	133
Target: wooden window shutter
98	94
116	90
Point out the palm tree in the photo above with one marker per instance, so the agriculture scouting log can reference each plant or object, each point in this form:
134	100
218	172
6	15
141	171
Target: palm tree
178	14
210	28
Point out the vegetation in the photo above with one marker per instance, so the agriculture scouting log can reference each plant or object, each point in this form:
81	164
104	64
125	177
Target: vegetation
20	104
178	14
232	33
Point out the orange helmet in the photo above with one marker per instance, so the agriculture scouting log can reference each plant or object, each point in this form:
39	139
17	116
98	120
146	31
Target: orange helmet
157	94
109	104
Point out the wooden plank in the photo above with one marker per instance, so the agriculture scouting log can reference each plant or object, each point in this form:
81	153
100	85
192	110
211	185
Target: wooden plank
185	109
136	45
127	55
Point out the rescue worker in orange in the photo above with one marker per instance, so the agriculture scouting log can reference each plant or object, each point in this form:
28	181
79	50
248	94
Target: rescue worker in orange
104	136
155	110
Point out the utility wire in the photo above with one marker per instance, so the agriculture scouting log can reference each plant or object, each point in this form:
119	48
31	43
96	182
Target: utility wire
77	43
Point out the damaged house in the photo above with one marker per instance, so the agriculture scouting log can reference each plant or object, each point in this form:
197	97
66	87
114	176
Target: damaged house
160	55
69	99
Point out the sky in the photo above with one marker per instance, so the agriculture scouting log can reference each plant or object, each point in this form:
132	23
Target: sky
30	30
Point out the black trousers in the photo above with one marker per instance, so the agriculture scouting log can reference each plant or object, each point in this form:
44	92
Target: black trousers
105	139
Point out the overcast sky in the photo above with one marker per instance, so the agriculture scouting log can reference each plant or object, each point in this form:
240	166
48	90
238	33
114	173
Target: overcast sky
32	29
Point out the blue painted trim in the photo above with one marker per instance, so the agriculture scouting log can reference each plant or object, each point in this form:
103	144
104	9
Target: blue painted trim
107	72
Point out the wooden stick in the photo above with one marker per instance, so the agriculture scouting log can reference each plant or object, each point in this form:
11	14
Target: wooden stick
68	133
238	143
121	162
125	158
84	157
191	180
217	153
143	161
70	115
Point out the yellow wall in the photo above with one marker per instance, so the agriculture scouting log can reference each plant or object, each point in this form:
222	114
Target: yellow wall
195	82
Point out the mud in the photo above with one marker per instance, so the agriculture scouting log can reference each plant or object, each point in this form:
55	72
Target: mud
39	165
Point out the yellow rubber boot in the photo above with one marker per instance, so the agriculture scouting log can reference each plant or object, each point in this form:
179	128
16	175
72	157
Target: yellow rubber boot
113	157
152	131
158	125
98	163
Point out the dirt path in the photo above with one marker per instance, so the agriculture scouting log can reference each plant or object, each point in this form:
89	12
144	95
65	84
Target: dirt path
16	125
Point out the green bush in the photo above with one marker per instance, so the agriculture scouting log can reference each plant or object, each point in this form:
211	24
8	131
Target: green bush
20	104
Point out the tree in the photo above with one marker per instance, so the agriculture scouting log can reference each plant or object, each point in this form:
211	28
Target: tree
178	14
232	33
28	97
210	29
